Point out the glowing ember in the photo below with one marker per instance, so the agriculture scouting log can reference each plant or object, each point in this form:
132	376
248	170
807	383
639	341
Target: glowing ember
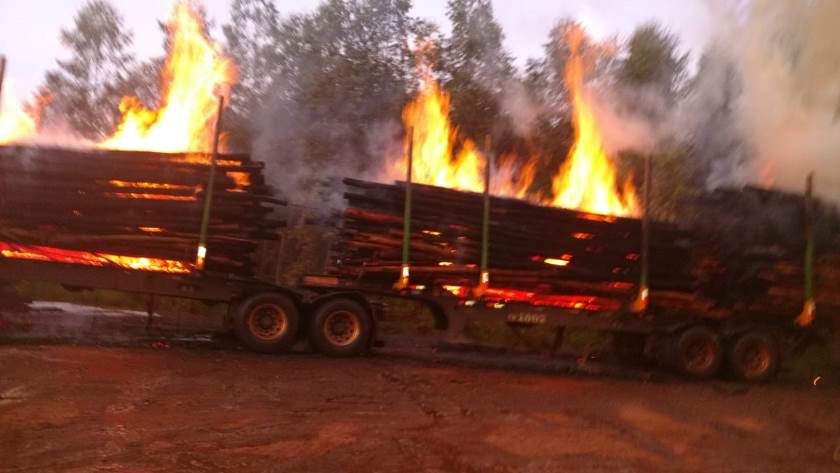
57	255
150	185
134	190
139	195
196	72
556	262
498	297
587	180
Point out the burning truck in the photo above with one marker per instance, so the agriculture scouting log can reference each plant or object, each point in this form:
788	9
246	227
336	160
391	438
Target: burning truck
161	208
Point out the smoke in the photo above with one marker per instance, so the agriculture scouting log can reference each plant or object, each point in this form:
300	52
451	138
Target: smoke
287	140
517	104
623	130
787	57
790	110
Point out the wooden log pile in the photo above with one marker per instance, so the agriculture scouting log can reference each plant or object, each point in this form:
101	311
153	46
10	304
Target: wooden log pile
533	248
742	251
133	204
760	235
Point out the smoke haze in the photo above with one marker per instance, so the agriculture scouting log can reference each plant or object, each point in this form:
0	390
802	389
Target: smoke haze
788	55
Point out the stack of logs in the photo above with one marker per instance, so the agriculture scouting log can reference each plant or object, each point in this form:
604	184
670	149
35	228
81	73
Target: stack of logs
760	234
559	251
65	204
532	248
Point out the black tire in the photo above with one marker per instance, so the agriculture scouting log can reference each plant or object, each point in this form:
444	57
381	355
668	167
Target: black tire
629	347
697	352
341	327
267	323
755	356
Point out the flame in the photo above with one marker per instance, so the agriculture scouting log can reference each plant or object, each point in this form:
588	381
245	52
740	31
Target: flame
18	122
434	140
58	255
133	190
587	179
196	72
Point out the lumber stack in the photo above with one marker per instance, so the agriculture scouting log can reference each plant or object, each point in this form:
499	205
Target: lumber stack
534	248
132	204
760	235
740	252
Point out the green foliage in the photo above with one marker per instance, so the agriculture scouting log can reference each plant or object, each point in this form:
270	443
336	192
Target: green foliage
87	88
344	70
476	66
252	39
655	67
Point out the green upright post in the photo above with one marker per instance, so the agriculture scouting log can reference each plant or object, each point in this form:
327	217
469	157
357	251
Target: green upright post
2	75
208	191
403	282
806	317
484	279
641	303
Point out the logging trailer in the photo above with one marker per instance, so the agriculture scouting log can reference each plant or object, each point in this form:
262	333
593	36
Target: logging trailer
339	315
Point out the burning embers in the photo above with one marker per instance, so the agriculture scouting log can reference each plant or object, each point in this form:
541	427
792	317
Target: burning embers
87	258
586	180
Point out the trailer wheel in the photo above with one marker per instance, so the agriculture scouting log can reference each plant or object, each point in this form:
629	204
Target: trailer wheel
267	323
698	352
341	327
755	356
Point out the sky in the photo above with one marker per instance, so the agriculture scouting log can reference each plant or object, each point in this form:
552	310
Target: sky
29	29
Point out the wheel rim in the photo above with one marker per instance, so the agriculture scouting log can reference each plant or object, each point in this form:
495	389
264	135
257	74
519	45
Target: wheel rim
699	354
268	322
755	359
342	328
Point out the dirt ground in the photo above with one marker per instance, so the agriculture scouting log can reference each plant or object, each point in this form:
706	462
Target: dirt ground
135	404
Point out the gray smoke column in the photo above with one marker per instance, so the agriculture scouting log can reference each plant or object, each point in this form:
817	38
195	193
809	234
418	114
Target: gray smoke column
788	53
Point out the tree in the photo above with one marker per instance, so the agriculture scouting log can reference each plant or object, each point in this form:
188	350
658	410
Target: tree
551	135
344	76
546	77
710	109
87	88
477	67
653	71
252	39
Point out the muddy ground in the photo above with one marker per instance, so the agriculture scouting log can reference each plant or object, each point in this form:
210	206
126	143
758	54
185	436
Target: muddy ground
191	405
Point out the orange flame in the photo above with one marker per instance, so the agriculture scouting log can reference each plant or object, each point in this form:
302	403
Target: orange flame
17	121
196	72
434	140
434	157
58	255
587	179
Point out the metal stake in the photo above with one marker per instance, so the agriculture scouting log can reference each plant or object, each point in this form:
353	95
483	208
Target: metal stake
484	280
640	305
2	75
201	255
809	307
403	282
